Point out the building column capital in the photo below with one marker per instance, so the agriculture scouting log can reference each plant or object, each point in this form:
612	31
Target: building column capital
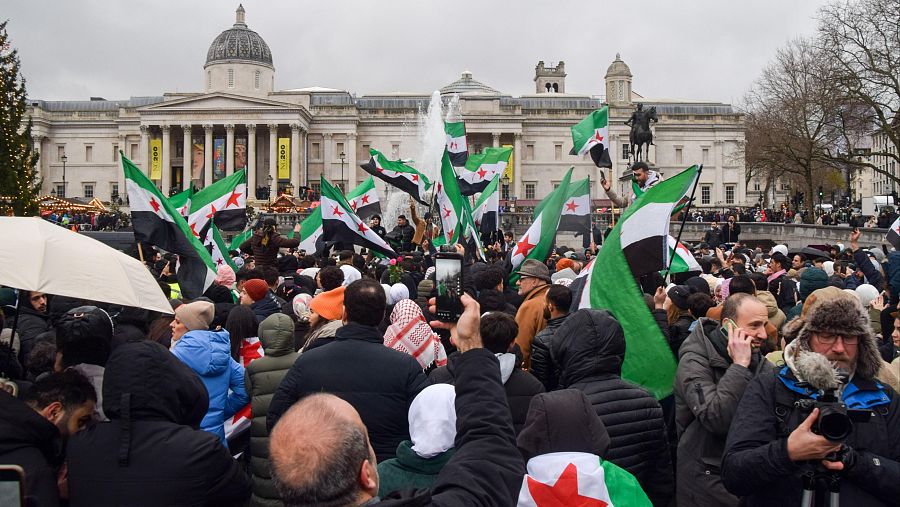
351	136
229	127
186	127
165	128
496	135
251	127
517	136
327	135
122	138
273	127
295	127
207	127
145	129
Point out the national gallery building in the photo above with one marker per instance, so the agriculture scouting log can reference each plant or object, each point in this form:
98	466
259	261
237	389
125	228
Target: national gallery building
287	138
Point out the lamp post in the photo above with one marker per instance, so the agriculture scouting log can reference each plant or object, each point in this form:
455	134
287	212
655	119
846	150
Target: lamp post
269	187
505	186
342	156
64	158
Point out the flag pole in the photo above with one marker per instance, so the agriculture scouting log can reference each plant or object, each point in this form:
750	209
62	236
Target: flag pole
684	216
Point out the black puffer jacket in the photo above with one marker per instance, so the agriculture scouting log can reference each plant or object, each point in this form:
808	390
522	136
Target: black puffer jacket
150	452
33	443
542	365
590	349
266	306
679	331
31	324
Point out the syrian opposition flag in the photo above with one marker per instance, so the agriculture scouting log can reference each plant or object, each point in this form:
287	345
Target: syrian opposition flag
638	245
399	175
449	200
157	223
576	212
592	135
251	349
216	248
340	223
538	240
683	260
224	202
182	201
364	200
893	235
578	479
240	238
456	143
481	169
311	231
487	208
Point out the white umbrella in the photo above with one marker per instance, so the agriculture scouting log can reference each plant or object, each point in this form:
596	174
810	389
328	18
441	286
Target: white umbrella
36	255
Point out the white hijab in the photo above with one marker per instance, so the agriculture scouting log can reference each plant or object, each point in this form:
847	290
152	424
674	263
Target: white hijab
432	420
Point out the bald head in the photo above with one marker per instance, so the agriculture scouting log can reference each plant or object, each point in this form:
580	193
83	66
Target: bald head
331	464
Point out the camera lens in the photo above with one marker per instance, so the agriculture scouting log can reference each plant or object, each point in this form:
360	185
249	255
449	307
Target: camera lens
834	424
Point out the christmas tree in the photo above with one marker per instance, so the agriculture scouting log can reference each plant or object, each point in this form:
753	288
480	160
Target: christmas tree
19	184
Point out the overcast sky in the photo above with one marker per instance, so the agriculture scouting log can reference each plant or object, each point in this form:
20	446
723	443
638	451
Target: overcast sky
705	50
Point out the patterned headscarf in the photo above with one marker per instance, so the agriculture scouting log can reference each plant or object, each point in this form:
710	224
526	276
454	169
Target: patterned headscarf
410	334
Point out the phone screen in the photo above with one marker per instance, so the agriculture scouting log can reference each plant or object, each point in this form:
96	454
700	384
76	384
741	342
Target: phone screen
11	478
448	278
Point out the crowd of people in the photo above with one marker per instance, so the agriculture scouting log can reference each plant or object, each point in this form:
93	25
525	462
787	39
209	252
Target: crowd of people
107	221
327	380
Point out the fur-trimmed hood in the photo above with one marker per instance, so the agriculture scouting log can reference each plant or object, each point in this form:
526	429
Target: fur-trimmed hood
841	315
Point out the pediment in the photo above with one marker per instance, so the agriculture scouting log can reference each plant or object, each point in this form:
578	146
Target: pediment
218	102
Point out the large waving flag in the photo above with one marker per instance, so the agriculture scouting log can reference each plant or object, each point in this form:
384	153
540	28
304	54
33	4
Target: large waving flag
893	235
579	479
311	231
399	175
364	199
576	212
340	223
638	245
456	142
157	223
182	201
538	240
481	169
224	202
683	260
487	208
592	135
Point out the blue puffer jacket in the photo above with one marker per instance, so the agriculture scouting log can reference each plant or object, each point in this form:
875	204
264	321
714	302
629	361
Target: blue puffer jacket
208	354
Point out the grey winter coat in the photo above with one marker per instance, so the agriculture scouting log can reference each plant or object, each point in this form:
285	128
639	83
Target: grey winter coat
276	334
708	387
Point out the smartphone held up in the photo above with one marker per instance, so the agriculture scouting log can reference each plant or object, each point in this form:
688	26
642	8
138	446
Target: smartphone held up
448	271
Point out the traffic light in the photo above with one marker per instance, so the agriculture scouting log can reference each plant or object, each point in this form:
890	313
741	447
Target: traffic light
820	193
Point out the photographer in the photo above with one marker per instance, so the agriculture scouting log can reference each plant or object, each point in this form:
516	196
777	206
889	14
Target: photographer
775	441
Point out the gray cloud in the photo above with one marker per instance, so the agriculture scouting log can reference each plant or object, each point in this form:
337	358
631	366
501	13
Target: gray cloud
707	49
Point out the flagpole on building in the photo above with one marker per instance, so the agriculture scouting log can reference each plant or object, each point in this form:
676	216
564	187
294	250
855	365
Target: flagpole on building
684	216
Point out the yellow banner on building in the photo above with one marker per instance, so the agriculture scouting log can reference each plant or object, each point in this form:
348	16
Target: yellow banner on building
156	159
508	172
284	158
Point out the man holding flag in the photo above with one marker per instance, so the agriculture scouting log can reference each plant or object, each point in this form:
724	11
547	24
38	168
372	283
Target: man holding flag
642	176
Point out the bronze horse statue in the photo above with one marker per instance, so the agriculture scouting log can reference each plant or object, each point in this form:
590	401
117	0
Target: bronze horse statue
640	134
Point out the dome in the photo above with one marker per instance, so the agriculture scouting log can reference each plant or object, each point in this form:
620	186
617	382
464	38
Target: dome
239	44
618	68
466	84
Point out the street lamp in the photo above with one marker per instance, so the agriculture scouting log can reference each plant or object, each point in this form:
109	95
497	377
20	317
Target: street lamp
505	186
342	156
269	187
64	158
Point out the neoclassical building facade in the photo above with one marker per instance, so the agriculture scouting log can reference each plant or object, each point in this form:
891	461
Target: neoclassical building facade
287	138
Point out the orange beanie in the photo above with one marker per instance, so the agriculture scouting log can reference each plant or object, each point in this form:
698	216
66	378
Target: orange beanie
329	304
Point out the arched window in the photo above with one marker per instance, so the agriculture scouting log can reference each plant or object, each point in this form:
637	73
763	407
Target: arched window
547	86
231	78
256	80
555	87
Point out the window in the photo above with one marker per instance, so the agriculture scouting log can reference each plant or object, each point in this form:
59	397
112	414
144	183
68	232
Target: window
529	152
706	155
625	152
60	151
395	151
784	187
88	153
316	186
364	152
114	190
504	192
729	194
135	151
315	151
256	80
529	190
556	185
557	151
705	192
115	152
679	157
231	78
60	190
756	185
339	148
477	148
88	190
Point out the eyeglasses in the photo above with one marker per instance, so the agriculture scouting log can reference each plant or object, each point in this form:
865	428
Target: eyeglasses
830	339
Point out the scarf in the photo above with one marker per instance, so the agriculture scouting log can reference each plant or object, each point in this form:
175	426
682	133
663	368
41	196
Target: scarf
410	334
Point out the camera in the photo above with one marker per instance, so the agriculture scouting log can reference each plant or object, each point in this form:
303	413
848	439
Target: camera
835	421
447	249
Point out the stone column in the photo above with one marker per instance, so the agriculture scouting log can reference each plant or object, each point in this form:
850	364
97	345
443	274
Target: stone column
295	157
251	161
352	175
166	180
496	136
120	174
229	149
207	154
187	157
328	151
36	146
517	166
145	149
273	159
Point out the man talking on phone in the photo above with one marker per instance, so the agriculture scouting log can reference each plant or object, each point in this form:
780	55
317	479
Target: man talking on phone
717	361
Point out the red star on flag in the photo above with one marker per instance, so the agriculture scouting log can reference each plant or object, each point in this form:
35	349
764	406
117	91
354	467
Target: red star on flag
353	205
233	199
563	492
212	211
570	206
220	261
481	173
365	199
154	204
439	187
453	145
523	247
194	230
362	228
415	177
447	212
337	211
598	137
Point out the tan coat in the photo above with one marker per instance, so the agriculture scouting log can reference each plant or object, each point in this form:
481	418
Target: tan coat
530	319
